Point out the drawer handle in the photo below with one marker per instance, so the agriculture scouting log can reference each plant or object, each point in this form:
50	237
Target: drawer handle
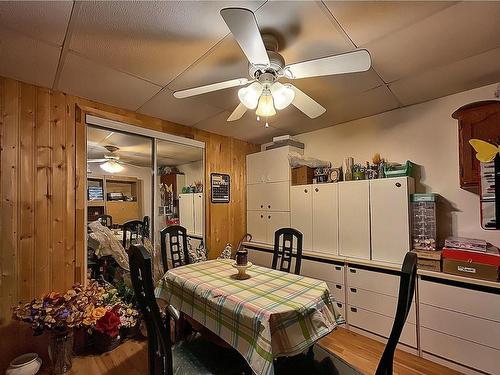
261	216
269	206
338	268
398	184
352	270
353	309
354	290
339	304
338	286
261	206
305	190
316	190
269	217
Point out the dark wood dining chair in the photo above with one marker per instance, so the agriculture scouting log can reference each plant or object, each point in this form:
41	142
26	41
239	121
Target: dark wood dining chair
131	230
163	358
284	250
405	299
106	220
176	236
145	226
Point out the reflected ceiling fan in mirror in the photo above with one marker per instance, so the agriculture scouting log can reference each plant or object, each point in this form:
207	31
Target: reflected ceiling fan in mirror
111	162
265	93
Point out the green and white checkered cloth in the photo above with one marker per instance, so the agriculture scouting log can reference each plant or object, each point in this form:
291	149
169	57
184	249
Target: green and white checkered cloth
271	314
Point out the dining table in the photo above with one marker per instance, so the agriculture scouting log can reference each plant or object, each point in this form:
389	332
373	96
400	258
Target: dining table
268	315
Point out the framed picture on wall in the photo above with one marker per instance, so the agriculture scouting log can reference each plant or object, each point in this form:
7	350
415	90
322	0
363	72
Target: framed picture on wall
220	187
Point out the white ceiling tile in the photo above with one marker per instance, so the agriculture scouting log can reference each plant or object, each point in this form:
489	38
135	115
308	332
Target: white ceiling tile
246	129
185	111
42	20
457	32
448	79
82	77
365	21
27	59
153	40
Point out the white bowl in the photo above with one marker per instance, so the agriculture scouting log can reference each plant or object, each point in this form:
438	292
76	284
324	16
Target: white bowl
25	364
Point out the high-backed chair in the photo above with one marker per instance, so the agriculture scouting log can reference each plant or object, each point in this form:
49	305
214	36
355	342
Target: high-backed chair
160	351
106	220
145	226
405	298
176	236
284	246
131	230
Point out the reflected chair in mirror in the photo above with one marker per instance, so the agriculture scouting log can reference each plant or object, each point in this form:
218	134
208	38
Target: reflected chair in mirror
132	230
145	227
106	220
193	356
175	237
405	299
287	245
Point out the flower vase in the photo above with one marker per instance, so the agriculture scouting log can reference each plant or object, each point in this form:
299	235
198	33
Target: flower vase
104	343
61	351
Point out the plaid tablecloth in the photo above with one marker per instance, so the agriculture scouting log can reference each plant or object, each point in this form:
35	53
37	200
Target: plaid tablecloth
271	314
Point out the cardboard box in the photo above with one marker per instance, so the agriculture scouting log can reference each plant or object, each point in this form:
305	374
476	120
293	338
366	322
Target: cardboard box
428	260
471	269
302	175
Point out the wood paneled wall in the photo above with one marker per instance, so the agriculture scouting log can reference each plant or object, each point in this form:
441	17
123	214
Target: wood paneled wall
42	199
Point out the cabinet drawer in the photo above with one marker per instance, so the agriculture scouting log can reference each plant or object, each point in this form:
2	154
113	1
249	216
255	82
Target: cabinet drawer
337	291
341	308
462	300
322	271
260	258
481	331
380	324
461	351
376	302
371	280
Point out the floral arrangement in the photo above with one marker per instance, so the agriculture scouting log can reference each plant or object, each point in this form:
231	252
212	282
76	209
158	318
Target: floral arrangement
92	307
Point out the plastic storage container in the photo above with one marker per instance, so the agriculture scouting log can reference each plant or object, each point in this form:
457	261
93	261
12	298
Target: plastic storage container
424	234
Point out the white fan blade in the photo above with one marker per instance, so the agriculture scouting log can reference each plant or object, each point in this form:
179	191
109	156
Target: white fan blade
127	163
96	160
209	88
237	113
245	30
307	104
350	62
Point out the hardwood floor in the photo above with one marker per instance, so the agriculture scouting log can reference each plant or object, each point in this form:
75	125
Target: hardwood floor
359	351
364	353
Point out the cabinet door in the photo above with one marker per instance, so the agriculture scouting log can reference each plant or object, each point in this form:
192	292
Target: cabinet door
390	221
255	168
186	211
354	219
277	167
257	225
198	213
276	196
275	221
256	196
301	213
325	218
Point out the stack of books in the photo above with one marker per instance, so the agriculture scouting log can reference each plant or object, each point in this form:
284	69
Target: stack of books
471	258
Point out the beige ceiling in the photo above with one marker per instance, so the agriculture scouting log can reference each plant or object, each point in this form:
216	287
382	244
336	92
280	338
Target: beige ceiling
135	54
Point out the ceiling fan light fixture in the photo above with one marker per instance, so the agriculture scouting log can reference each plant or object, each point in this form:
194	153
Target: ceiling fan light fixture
249	96
266	105
111	166
283	95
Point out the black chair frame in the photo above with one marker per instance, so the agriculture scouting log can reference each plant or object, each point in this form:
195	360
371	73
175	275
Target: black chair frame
106	220
283	250
177	236
145	227
135	228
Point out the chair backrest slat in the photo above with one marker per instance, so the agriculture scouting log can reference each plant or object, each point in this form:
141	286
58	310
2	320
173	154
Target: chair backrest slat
132	229
284	246
405	299
176	237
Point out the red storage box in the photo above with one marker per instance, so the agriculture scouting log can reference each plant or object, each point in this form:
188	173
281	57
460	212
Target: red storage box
475	264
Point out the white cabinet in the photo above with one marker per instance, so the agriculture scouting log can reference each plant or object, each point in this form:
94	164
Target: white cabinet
191	212
269	166
354	219
390	219
314	212
262	225
301	213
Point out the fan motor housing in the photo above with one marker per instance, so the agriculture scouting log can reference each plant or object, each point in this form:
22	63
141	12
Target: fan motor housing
277	61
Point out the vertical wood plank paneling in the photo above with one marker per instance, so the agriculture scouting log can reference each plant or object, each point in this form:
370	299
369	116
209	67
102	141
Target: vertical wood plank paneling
43	189
81	195
9	197
26	191
70	166
59	195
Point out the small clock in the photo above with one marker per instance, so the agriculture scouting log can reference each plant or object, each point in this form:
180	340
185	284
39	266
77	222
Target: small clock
336	174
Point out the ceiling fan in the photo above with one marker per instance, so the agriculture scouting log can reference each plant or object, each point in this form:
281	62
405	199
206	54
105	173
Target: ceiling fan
266	66
111	162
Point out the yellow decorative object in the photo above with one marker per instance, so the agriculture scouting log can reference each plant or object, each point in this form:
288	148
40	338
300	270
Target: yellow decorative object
486	152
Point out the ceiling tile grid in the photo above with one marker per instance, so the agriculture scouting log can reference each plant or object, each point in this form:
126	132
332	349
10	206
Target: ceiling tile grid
135	54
